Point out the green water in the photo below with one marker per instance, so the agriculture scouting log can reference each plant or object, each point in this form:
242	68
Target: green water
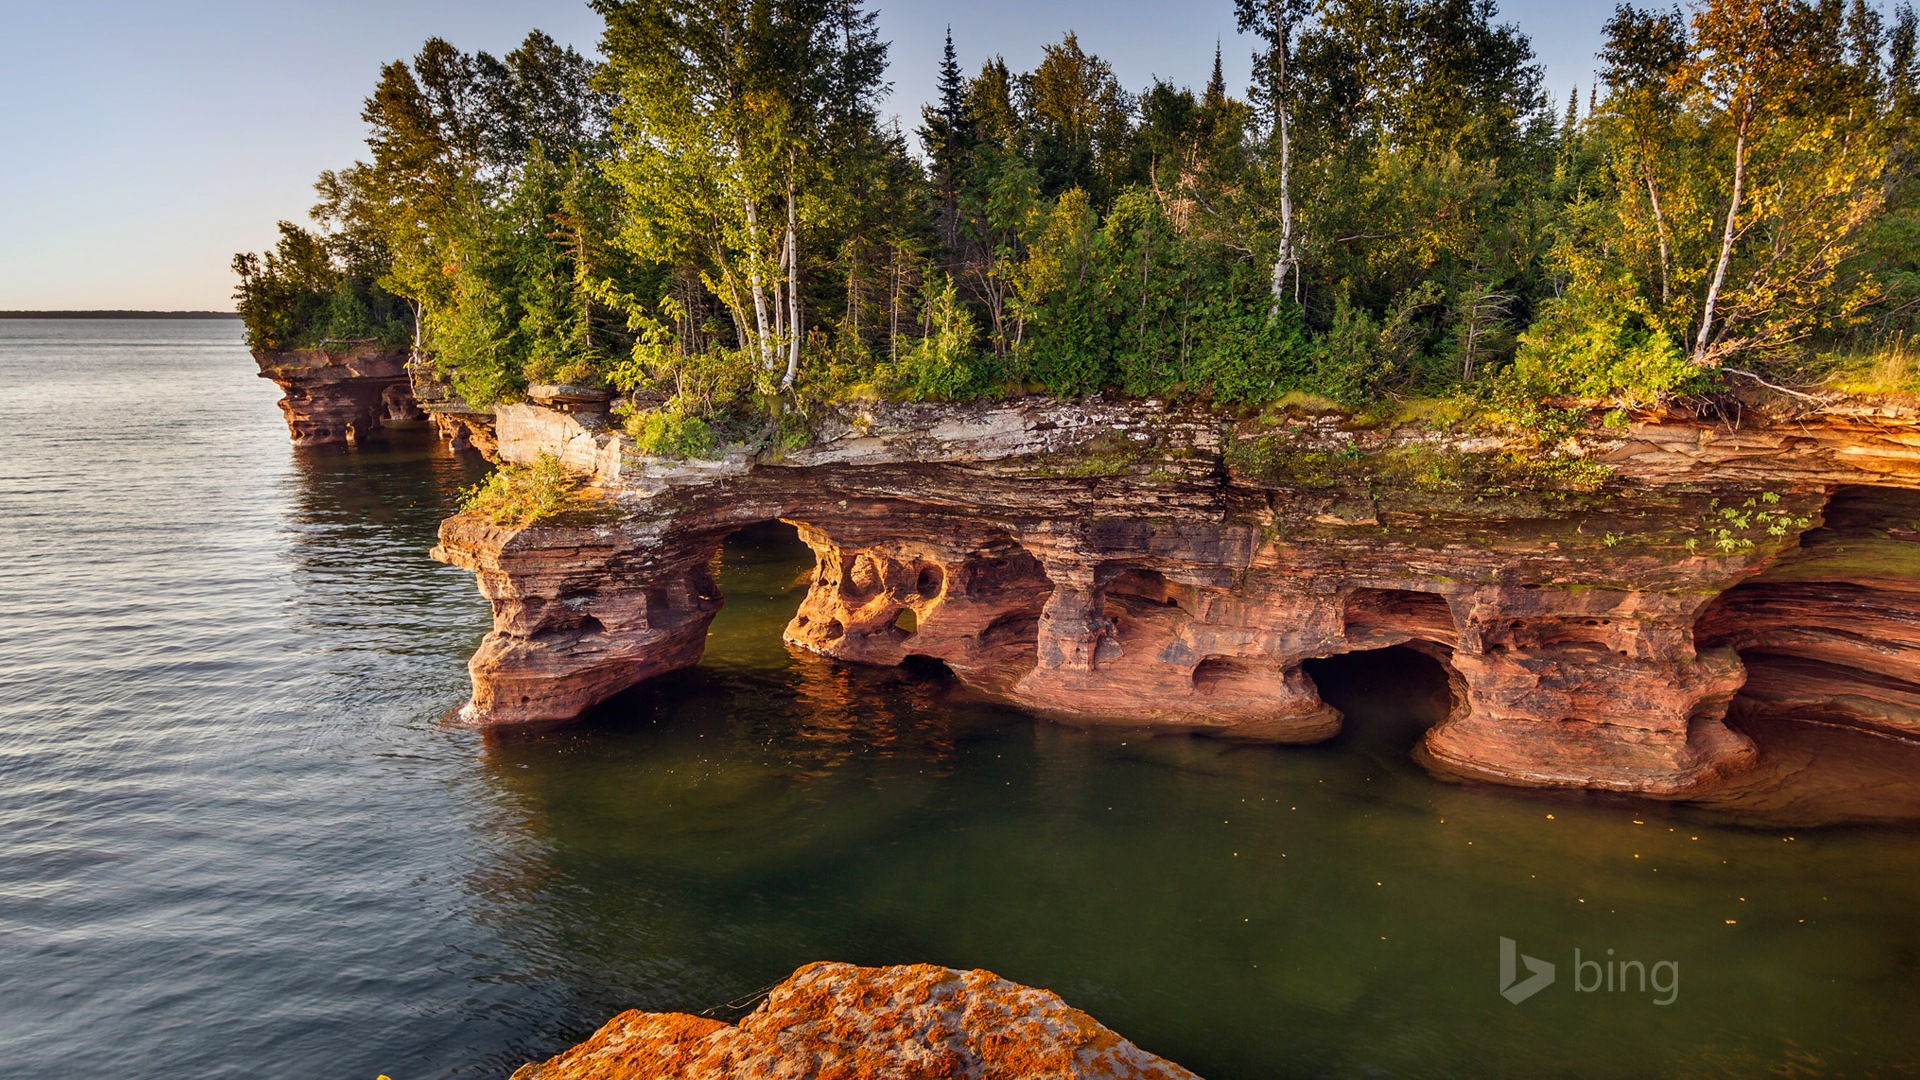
238	840
1249	912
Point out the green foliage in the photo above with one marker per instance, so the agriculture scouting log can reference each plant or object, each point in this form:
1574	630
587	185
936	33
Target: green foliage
1598	342
1740	527
526	494
669	433
946	364
718	216
1246	356
303	294
527	302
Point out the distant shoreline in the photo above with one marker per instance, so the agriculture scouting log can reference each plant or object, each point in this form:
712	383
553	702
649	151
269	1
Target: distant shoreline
118	315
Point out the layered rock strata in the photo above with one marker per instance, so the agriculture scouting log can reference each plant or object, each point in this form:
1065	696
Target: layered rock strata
1110	562
340	395
916	1022
461	425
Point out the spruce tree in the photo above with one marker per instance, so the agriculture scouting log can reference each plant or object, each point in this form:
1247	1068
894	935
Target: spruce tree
944	135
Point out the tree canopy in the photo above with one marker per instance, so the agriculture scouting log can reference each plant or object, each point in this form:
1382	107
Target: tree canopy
716	221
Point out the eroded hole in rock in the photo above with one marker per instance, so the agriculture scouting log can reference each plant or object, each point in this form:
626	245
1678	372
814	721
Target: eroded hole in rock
1015	572
760	572
591	625
1148	588
1389	696
1218	673
1403	613
835	630
922	666
1014	629
1568	635
929	582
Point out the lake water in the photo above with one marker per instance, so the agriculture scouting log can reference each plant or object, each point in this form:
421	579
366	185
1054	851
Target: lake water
238	839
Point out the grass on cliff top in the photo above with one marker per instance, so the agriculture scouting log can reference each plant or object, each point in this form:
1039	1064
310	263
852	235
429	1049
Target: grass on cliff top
1885	367
527	494
1278	460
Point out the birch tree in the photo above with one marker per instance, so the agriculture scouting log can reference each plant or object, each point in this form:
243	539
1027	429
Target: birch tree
1277	22
725	145
1749	59
1643	57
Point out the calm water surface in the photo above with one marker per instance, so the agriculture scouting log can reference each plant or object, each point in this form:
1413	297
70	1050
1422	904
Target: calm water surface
237	840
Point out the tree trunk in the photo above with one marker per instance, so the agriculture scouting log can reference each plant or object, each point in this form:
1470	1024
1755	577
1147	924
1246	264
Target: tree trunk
1284	263
1726	238
1660	229
763	340
795	328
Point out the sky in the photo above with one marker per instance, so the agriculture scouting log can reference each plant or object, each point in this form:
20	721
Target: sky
143	143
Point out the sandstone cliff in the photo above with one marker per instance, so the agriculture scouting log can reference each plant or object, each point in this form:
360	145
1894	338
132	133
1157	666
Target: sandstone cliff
340	395
900	1023
1129	562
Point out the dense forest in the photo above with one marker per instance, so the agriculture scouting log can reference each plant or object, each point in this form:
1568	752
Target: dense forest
717	221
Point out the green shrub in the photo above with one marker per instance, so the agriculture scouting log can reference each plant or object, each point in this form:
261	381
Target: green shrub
670	433
1598	342
525	494
944	365
1360	359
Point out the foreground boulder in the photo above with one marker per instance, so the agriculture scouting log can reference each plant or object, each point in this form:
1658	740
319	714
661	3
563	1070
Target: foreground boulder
917	1022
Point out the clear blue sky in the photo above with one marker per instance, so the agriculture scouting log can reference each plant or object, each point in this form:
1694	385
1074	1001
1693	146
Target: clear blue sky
143	143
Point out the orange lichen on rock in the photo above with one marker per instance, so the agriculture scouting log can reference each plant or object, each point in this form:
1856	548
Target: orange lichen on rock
841	1022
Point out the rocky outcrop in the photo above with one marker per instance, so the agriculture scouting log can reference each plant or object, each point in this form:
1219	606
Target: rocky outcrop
1123	562
340	395
461	425
916	1022
579	612
1830	632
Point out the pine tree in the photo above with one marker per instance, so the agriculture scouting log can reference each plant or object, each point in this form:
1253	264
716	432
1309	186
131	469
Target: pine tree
944	134
1900	58
953	87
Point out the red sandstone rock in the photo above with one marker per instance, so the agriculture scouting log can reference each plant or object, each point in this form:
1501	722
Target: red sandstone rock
840	1022
340	395
580	613
1596	642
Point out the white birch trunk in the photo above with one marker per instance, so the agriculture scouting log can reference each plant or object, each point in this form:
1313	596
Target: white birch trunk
794	334
755	285
1726	238
1660	228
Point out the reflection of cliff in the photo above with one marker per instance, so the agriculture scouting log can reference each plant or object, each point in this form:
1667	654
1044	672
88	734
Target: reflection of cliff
355	533
1176	579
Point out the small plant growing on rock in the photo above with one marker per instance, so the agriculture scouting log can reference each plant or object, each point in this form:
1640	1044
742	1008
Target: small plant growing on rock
667	433
1737	528
526	494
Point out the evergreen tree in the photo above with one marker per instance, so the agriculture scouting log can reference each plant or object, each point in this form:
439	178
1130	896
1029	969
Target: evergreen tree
944	136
